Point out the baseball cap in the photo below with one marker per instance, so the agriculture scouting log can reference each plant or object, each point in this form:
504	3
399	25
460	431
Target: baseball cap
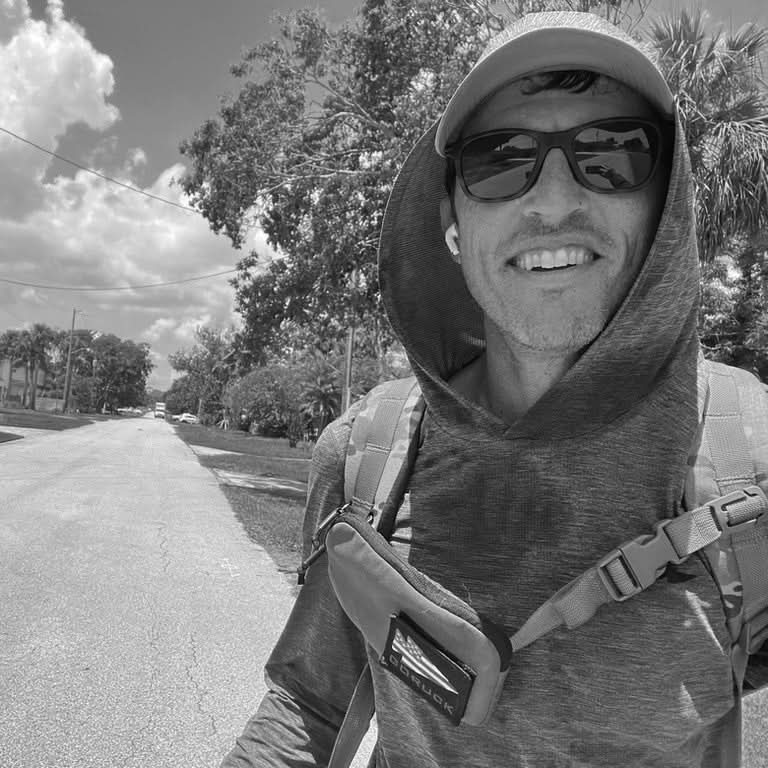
551	41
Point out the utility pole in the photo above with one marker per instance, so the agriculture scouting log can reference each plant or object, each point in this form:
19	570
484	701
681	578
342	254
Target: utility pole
350	348
348	368
68	375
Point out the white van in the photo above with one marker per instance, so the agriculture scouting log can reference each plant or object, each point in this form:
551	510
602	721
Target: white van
159	410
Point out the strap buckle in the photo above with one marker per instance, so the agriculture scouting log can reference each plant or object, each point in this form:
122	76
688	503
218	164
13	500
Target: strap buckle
738	509
318	541
643	560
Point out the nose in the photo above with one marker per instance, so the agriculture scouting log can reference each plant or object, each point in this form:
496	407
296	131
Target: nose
556	191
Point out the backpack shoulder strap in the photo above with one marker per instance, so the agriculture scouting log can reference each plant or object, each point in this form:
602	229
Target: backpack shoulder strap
380	454
731	453
382	448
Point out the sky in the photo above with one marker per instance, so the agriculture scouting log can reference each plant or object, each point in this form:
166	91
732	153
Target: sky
116	86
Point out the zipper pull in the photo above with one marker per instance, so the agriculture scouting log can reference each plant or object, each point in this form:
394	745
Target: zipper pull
318	541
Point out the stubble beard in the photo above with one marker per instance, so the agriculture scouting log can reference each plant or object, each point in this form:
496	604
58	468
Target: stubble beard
560	336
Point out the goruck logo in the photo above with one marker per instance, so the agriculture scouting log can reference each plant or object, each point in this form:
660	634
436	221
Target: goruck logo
427	669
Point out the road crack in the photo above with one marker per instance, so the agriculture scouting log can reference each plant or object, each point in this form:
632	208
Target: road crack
200	692
165	557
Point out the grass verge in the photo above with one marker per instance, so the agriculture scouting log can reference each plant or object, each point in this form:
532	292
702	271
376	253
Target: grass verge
242	442
11	417
272	522
258	465
271	519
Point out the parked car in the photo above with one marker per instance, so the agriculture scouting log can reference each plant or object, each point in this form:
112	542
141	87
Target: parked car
187	418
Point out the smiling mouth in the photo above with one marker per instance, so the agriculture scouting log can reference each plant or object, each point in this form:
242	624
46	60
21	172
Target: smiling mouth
544	260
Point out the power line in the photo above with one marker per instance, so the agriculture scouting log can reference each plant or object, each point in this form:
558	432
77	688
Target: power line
96	173
115	288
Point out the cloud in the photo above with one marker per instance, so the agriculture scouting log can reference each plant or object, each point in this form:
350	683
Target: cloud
52	78
159	328
82	230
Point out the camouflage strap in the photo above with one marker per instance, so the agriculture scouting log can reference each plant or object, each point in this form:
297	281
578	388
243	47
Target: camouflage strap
733	452
382	447
380	455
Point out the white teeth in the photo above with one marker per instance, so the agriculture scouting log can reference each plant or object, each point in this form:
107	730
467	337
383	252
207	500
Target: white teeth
562	257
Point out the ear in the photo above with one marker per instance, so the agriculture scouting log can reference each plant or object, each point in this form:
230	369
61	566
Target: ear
447	216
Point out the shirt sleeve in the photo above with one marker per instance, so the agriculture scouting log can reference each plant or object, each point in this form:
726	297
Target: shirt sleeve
320	655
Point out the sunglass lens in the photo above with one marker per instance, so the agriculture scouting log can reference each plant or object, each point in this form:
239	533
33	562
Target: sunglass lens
615	156
498	166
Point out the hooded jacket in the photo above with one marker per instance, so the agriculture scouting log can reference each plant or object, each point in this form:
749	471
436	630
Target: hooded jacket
503	515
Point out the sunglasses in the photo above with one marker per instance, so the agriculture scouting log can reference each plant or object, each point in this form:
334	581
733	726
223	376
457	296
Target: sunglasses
619	154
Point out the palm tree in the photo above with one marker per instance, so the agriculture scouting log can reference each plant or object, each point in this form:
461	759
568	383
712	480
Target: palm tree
9	342
321	394
24	357
41	340
724	105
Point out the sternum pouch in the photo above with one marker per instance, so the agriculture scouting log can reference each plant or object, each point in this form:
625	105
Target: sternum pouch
432	640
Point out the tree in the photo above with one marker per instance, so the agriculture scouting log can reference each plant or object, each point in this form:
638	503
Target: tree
24	357
119	372
81	367
269	400
716	78
11	349
310	146
42	339
321	390
208	364
300	391
183	396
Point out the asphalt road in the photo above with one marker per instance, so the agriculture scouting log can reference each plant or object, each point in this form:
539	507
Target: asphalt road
135	614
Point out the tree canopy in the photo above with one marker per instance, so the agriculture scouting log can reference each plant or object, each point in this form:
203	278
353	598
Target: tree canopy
206	367
106	370
309	146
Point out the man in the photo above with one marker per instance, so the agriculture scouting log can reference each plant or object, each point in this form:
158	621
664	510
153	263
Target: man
547	297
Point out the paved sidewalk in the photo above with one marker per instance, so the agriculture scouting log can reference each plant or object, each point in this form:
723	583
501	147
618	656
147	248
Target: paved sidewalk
262	483
266	483
26	431
204	450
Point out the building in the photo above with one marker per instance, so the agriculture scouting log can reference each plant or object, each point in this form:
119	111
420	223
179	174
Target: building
12	382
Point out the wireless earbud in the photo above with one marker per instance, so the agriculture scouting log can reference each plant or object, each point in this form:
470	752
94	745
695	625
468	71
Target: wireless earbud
452	240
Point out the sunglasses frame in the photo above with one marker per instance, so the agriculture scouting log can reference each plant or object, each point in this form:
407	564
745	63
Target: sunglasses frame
548	140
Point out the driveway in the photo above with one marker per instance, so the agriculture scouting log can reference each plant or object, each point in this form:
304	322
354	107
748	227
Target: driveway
135	614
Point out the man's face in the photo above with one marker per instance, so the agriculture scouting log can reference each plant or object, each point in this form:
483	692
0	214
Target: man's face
558	310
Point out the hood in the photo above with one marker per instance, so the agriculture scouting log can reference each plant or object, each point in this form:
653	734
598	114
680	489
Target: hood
651	337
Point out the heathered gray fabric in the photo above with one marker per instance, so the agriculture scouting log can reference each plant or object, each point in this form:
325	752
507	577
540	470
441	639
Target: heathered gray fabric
505	514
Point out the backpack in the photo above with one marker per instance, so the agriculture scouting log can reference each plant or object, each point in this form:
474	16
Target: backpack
725	520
